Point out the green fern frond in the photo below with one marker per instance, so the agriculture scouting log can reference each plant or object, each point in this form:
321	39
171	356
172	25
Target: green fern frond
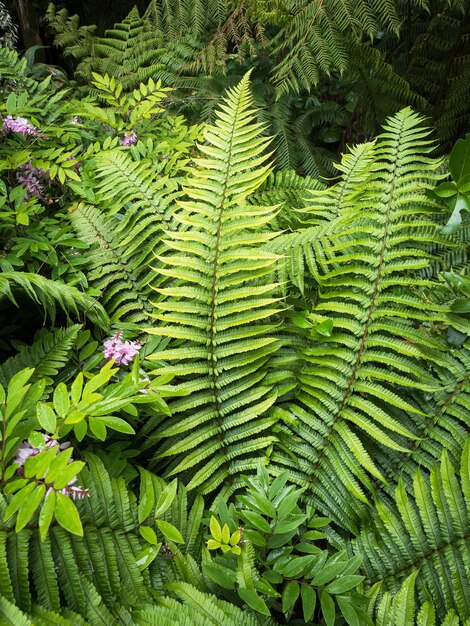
217	304
50	294
424	537
352	387
47	355
400	610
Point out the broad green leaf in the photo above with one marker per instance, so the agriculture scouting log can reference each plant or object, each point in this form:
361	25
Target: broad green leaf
76	389
46	514
345	583
148	534
68	473
17	389
290	595
459	160
349	612
166	498
329	572
309	601
118	424
222	576
328	608
67	515
170	532
253	600
215	529
97	428
38	465
147	495
256	520
46	417
147	556
61	400
29	507
18	500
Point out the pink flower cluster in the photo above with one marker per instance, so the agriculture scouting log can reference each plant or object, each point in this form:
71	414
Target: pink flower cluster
123	352
19	125
26	450
129	139
28	175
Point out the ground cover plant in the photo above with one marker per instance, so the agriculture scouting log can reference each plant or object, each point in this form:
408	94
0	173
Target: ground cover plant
230	393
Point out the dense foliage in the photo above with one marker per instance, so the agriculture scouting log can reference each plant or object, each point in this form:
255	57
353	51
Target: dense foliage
233	391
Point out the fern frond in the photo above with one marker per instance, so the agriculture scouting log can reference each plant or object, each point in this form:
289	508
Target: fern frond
47	355
50	294
352	388
425	537
217	302
400	610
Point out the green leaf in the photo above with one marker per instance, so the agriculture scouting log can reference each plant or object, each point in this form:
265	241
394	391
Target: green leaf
61	400
348	611
222	576
76	389
459	160
68	473
67	515
148	534
18	499
97	428
329	572
147	495
46	417
11	103
462	203
46	514
344	584
216	530
290	595
328	608
446	190
170	532
147	556
166	498
309	601
38	465
29	507
253	600
118	424
256	520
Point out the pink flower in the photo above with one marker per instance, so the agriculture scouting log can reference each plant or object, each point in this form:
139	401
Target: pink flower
129	139
25	450
123	352
28	175
20	125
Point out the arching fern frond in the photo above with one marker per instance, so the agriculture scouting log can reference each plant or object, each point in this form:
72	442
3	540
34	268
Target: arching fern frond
217	306
424	536
50	294
48	354
352	388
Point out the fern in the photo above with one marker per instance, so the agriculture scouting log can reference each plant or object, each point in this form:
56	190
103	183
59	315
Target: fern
425	537
48	354
400	610
356	386
216	307
50	294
